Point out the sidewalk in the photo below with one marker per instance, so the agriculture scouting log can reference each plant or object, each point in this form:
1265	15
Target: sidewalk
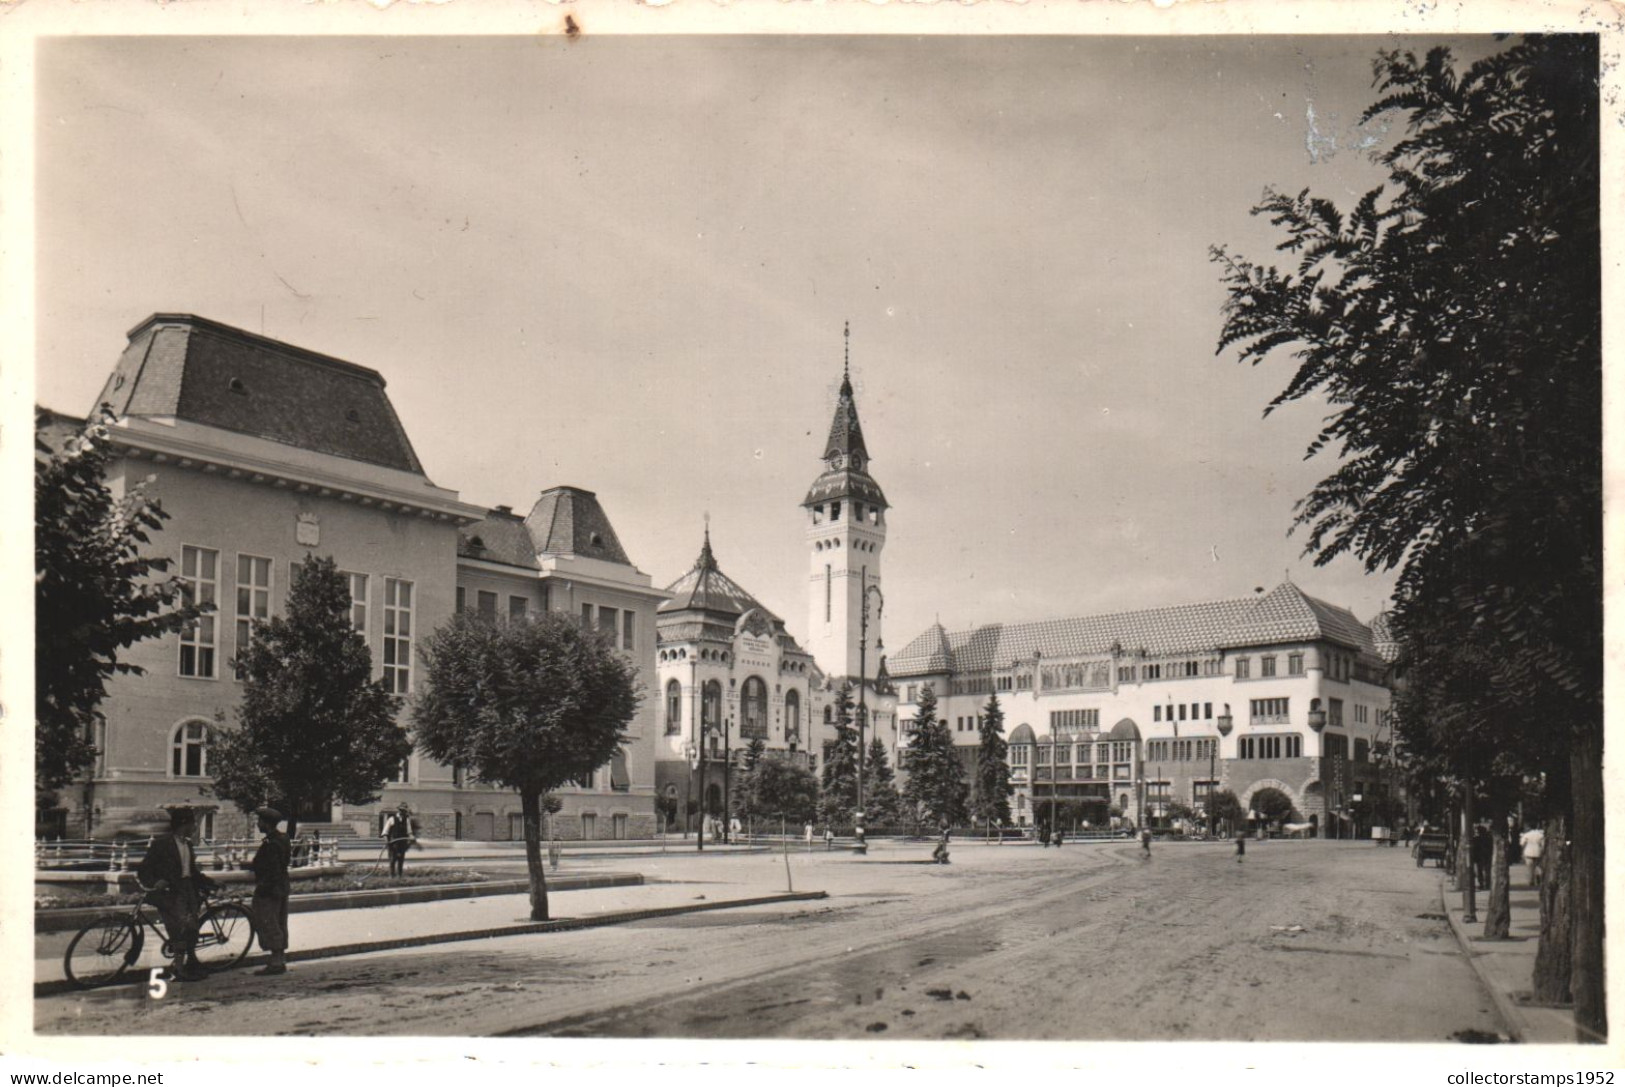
357	931
1506	968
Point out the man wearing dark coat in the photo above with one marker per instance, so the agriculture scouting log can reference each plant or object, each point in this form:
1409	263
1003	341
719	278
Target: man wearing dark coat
271	890
177	887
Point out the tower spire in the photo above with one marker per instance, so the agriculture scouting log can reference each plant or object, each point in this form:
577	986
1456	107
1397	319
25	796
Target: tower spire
846	364
706	559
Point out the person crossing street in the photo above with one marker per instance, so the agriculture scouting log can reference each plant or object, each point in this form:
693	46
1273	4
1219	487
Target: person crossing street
271	891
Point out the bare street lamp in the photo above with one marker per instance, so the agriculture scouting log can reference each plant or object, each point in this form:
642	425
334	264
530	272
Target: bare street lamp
863	687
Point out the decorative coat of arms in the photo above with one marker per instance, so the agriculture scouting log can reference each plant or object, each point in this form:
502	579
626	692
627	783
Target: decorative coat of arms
307	530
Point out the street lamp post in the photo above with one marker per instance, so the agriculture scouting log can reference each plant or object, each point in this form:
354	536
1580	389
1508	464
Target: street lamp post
863	689
727	769
696	750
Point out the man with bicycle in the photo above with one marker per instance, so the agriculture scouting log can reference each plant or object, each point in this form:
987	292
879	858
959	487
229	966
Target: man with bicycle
177	886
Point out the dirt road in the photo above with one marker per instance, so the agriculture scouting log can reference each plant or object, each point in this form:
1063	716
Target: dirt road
1303	941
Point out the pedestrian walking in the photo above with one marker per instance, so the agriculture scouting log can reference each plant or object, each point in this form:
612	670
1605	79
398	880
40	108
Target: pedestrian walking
940	854
1145	843
829	837
398	838
177	887
1533	842
271	890
1241	849
1043	834
807	832
1481	849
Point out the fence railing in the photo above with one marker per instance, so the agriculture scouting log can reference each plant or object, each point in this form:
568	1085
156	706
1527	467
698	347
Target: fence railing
83	855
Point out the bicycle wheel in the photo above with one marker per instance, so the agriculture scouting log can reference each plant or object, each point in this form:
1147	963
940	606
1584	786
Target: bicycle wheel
224	936
101	952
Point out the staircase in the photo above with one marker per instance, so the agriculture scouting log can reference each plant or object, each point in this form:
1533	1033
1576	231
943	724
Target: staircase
328	830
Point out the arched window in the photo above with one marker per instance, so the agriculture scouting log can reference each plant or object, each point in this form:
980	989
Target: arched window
753	709
792	717
189	750
711	706
829	715
674	708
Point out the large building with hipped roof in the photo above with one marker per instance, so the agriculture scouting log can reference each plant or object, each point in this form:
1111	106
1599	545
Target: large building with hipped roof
1129	712
263	453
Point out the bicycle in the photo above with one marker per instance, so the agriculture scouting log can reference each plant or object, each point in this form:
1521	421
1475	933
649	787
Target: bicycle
105	948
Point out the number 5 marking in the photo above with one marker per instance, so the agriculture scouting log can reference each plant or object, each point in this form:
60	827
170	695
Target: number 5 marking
157	987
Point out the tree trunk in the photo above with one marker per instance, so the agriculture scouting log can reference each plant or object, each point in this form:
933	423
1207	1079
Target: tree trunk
531	802
1588	983
1554	958
1464	860
1498	912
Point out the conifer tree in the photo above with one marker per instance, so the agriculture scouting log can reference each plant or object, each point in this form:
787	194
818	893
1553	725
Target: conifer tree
936	782
314	726
881	801
838	795
993	788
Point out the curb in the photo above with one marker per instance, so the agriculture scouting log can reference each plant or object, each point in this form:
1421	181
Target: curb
1513	1019
68	920
568	924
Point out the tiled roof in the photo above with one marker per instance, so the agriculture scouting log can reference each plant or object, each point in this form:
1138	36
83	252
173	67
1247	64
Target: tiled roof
569	521
1284	615
500	537
1383	637
706	588
845	432
189	368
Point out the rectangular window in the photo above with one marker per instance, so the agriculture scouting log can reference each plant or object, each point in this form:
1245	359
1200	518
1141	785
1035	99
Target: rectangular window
1273	711
487	604
1266	666
462	598
253	599
1207	710
1294	664
834	511
1018	755
911	693
397	635
1156	713
586	617
402	774
1243	668
518	606
200	571
629	628
1182	711
1043	756
1334	713
358	601
1063	754
1362	750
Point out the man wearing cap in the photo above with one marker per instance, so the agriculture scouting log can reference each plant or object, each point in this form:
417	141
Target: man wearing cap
271	891
176	887
398	835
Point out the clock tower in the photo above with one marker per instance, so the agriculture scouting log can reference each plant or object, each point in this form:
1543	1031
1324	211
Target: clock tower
846	533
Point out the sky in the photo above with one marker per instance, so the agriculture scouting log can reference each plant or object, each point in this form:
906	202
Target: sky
624	263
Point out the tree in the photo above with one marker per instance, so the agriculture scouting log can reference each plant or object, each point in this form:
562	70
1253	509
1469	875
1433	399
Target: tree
1272	805
313	726
936	783
526	706
1225	808
838	797
881	801
1453	323
993	788
779	788
744	796
94	593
